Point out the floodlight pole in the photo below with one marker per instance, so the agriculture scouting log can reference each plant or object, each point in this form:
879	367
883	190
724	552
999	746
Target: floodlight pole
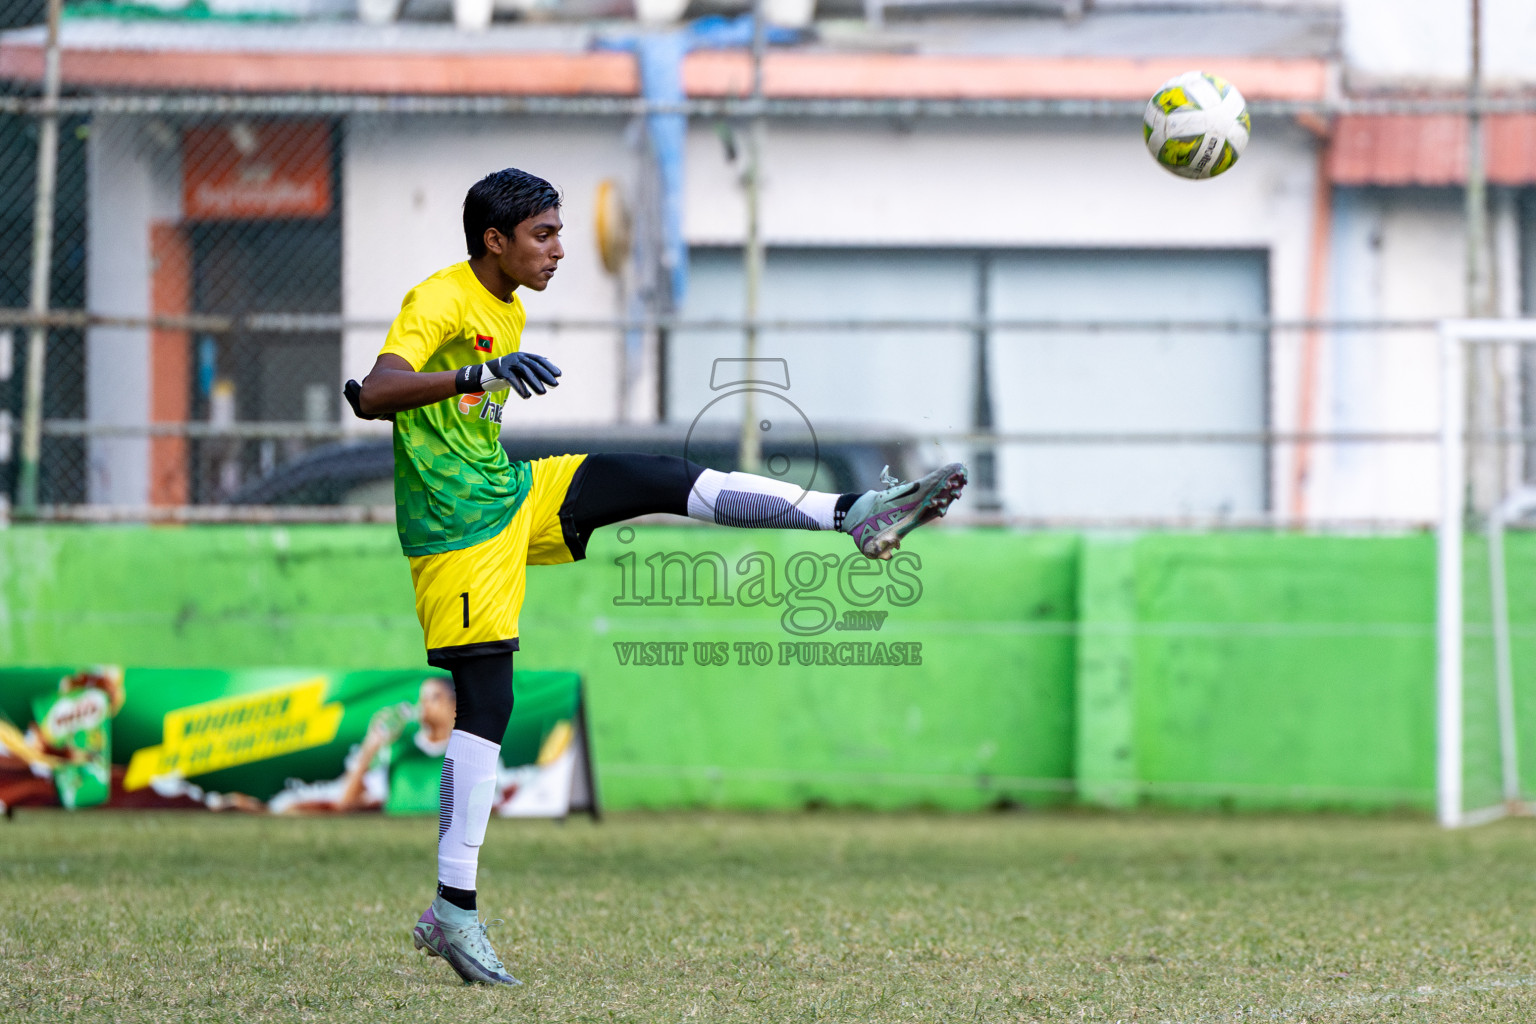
750	454
1480	302
1484	462
42	266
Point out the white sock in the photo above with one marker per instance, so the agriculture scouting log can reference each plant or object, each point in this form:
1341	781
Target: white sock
467	793
742	499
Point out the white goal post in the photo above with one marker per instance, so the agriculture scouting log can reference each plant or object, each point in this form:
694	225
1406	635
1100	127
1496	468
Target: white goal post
1500	792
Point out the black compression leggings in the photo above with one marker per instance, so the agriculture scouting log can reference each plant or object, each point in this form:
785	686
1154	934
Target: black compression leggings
482	688
609	489
606	489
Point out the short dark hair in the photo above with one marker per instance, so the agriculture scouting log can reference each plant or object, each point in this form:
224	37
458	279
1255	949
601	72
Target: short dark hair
503	200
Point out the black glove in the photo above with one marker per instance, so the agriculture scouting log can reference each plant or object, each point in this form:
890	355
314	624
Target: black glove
353	390
520	370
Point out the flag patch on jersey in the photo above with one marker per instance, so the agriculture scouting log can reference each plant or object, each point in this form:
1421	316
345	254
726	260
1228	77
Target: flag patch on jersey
483	342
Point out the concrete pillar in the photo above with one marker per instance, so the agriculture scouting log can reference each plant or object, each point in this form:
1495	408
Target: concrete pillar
134	170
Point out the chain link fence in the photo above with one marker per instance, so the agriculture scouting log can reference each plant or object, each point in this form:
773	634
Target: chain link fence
64	379
235	313
209	364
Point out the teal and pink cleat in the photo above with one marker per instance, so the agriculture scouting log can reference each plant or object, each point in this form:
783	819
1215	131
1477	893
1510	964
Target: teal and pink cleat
880	519
459	937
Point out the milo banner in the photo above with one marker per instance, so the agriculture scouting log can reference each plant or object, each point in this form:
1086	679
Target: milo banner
279	741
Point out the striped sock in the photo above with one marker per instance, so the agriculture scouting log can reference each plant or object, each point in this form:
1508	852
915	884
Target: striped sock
742	499
467	791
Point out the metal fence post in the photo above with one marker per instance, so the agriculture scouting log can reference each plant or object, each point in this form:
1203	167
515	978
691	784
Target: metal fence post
42	269
750	455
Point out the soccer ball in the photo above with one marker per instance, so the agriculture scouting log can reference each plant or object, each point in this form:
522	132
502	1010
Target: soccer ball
1196	125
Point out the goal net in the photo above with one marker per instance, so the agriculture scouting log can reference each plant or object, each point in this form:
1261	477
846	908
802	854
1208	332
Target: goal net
1486	586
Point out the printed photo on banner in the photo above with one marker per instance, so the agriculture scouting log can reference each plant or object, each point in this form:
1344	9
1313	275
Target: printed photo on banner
280	741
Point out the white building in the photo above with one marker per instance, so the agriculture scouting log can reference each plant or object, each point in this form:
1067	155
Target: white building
953	220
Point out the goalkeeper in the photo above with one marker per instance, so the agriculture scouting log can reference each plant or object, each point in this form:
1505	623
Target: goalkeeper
470	519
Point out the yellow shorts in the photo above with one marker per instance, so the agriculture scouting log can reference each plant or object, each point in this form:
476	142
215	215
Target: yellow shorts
468	600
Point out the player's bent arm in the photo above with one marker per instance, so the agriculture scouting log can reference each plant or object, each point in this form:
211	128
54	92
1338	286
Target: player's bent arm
392	386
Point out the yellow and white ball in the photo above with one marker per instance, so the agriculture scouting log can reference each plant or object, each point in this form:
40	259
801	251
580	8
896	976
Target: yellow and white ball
1196	125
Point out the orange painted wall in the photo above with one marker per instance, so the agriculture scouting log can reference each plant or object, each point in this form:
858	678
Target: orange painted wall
170	361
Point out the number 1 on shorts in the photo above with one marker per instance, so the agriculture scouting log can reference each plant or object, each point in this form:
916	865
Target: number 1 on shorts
465	598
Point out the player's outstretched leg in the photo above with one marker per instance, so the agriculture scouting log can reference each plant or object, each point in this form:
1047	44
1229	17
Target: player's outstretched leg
878	520
610	488
451	927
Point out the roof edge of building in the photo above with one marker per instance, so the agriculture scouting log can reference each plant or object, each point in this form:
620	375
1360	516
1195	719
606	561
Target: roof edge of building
787	74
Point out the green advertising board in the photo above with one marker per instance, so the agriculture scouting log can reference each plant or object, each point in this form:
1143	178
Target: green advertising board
303	740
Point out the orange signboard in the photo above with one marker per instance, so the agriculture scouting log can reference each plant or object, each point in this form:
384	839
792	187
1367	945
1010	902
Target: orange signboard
254	170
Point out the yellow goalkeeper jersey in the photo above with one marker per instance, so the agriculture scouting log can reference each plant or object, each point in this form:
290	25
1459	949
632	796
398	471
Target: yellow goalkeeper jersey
454	485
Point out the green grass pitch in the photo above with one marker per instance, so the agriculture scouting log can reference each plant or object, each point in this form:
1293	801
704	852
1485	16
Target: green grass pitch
815	917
